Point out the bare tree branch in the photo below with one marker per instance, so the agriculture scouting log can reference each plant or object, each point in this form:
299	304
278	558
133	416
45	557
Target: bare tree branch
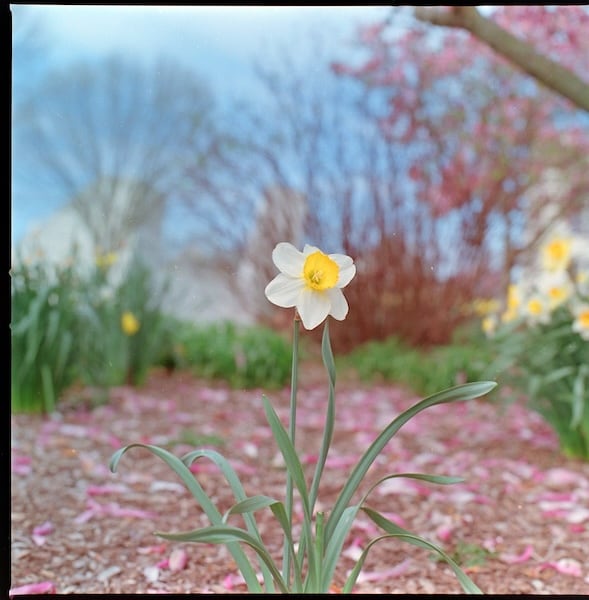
550	73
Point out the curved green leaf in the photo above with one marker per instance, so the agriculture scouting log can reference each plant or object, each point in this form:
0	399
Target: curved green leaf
394	530
238	491
466	391
224	534
201	497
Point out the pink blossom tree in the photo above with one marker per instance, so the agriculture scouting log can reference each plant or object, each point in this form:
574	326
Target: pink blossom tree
480	133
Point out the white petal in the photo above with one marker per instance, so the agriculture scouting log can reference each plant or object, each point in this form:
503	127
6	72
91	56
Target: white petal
346	274
313	307
284	291
310	250
339	305
288	259
342	260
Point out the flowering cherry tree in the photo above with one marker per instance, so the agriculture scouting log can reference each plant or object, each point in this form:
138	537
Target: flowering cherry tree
482	135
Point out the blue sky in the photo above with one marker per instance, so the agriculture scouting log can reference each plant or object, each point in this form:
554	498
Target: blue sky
221	43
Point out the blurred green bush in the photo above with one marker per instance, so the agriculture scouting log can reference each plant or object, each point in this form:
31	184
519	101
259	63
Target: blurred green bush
245	357
90	328
424	371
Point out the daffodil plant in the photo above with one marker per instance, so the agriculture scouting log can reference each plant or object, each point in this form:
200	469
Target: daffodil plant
541	334
311	283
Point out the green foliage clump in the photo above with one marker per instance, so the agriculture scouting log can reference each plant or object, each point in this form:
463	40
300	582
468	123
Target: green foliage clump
550	364
66	327
44	332
245	357
424	371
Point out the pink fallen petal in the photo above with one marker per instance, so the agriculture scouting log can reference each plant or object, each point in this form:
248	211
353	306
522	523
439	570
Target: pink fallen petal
513	559
391	573
354	550
163	564
21	465
444	532
43	587
178	560
43	529
159	549
109	488
559	477
566	566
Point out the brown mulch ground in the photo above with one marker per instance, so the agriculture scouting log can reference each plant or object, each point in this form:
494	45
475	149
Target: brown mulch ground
519	524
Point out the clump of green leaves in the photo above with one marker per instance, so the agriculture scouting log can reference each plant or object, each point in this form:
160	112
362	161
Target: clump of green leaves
422	370
44	328
245	357
541	338
66	327
310	556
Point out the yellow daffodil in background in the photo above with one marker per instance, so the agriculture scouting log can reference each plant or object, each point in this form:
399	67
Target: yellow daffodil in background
311	281
513	303
489	324
556	254
129	323
106	260
485	306
581	322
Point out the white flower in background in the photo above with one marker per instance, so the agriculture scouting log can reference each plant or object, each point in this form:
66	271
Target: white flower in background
581	322
537	309
556	253
311	281
557	287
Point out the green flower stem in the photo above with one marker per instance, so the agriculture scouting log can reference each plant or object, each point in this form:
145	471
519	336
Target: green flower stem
291	432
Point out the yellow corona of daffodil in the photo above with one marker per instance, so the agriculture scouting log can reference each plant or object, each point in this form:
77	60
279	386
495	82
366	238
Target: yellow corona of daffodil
556	254
129	323
311	281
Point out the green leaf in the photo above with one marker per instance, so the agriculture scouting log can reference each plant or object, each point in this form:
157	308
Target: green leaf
329	417
467	391
201	497
291	459
250	504
394	530
224	534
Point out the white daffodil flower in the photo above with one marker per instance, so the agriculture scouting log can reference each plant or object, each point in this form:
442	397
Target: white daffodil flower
311	281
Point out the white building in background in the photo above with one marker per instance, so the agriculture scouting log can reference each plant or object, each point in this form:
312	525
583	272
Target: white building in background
198	290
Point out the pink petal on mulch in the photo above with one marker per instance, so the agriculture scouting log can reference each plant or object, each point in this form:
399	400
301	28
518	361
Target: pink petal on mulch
178	560
158	549
444	532
109	488
395	571
559	477
566	566
513	559
41	531
44	587
111	509
21	464
354	550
